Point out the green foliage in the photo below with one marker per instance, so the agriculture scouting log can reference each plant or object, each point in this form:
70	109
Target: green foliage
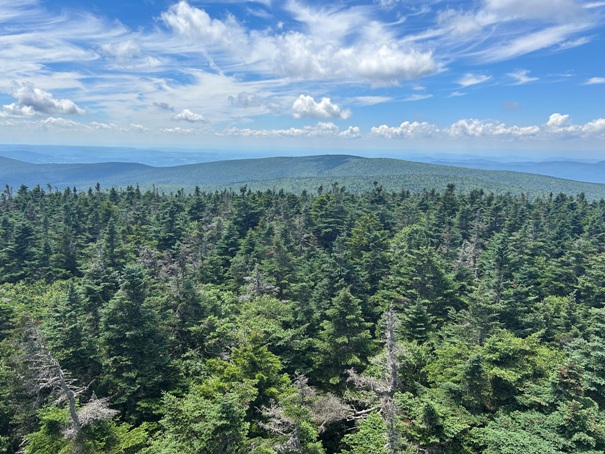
135	355
344	341
197	316
198	423
370	437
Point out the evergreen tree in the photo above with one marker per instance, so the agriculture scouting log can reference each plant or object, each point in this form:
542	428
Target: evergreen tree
344	340
136	367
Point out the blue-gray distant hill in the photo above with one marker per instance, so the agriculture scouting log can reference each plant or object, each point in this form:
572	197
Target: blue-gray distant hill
593	172
289	173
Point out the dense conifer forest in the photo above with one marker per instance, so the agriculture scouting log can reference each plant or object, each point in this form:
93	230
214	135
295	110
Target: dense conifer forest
325	322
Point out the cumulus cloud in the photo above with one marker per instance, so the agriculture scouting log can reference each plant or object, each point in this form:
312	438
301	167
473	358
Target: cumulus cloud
305	57
479	128
557	120
333	43
196	25
34	101
558	126
306	106
62	123
473	79
189	116
522	77
406	130
352	132
595	127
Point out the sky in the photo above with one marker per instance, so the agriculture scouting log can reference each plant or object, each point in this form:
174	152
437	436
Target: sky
518	77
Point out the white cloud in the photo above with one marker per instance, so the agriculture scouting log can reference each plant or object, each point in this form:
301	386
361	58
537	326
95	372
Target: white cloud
570	44
306	106
473	79
321	129
556	10
387	65
305	57
557	120
521	77
62	123
184	131
352	132
464	24
556	127
478	128
122	50
406	130
595	127
595	81
197	26
530	42
128	54
34	101
416	97
189	116
371	100
235	70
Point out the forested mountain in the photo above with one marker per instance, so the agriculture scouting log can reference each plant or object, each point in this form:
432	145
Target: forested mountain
291	174
578	169
320	322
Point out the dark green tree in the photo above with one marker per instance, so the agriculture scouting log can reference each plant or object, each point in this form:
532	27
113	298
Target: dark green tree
344	340
136	366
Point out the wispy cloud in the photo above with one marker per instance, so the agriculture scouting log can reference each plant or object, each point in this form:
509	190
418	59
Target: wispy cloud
521	77
371	100
233	67
416	97
595	81
473	79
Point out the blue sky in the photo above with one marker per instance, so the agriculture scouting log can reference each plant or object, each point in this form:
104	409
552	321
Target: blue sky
388	76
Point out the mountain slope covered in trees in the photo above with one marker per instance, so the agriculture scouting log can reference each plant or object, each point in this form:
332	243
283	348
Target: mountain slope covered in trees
289	173
321	322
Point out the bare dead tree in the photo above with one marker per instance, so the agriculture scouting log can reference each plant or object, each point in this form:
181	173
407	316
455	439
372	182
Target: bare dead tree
379	391
258	286
285	419
47	375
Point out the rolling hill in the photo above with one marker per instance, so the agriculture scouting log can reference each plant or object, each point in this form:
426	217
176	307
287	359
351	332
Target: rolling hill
290	173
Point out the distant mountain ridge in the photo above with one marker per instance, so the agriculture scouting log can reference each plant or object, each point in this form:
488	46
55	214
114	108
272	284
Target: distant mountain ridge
289	173
593	172
589	170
